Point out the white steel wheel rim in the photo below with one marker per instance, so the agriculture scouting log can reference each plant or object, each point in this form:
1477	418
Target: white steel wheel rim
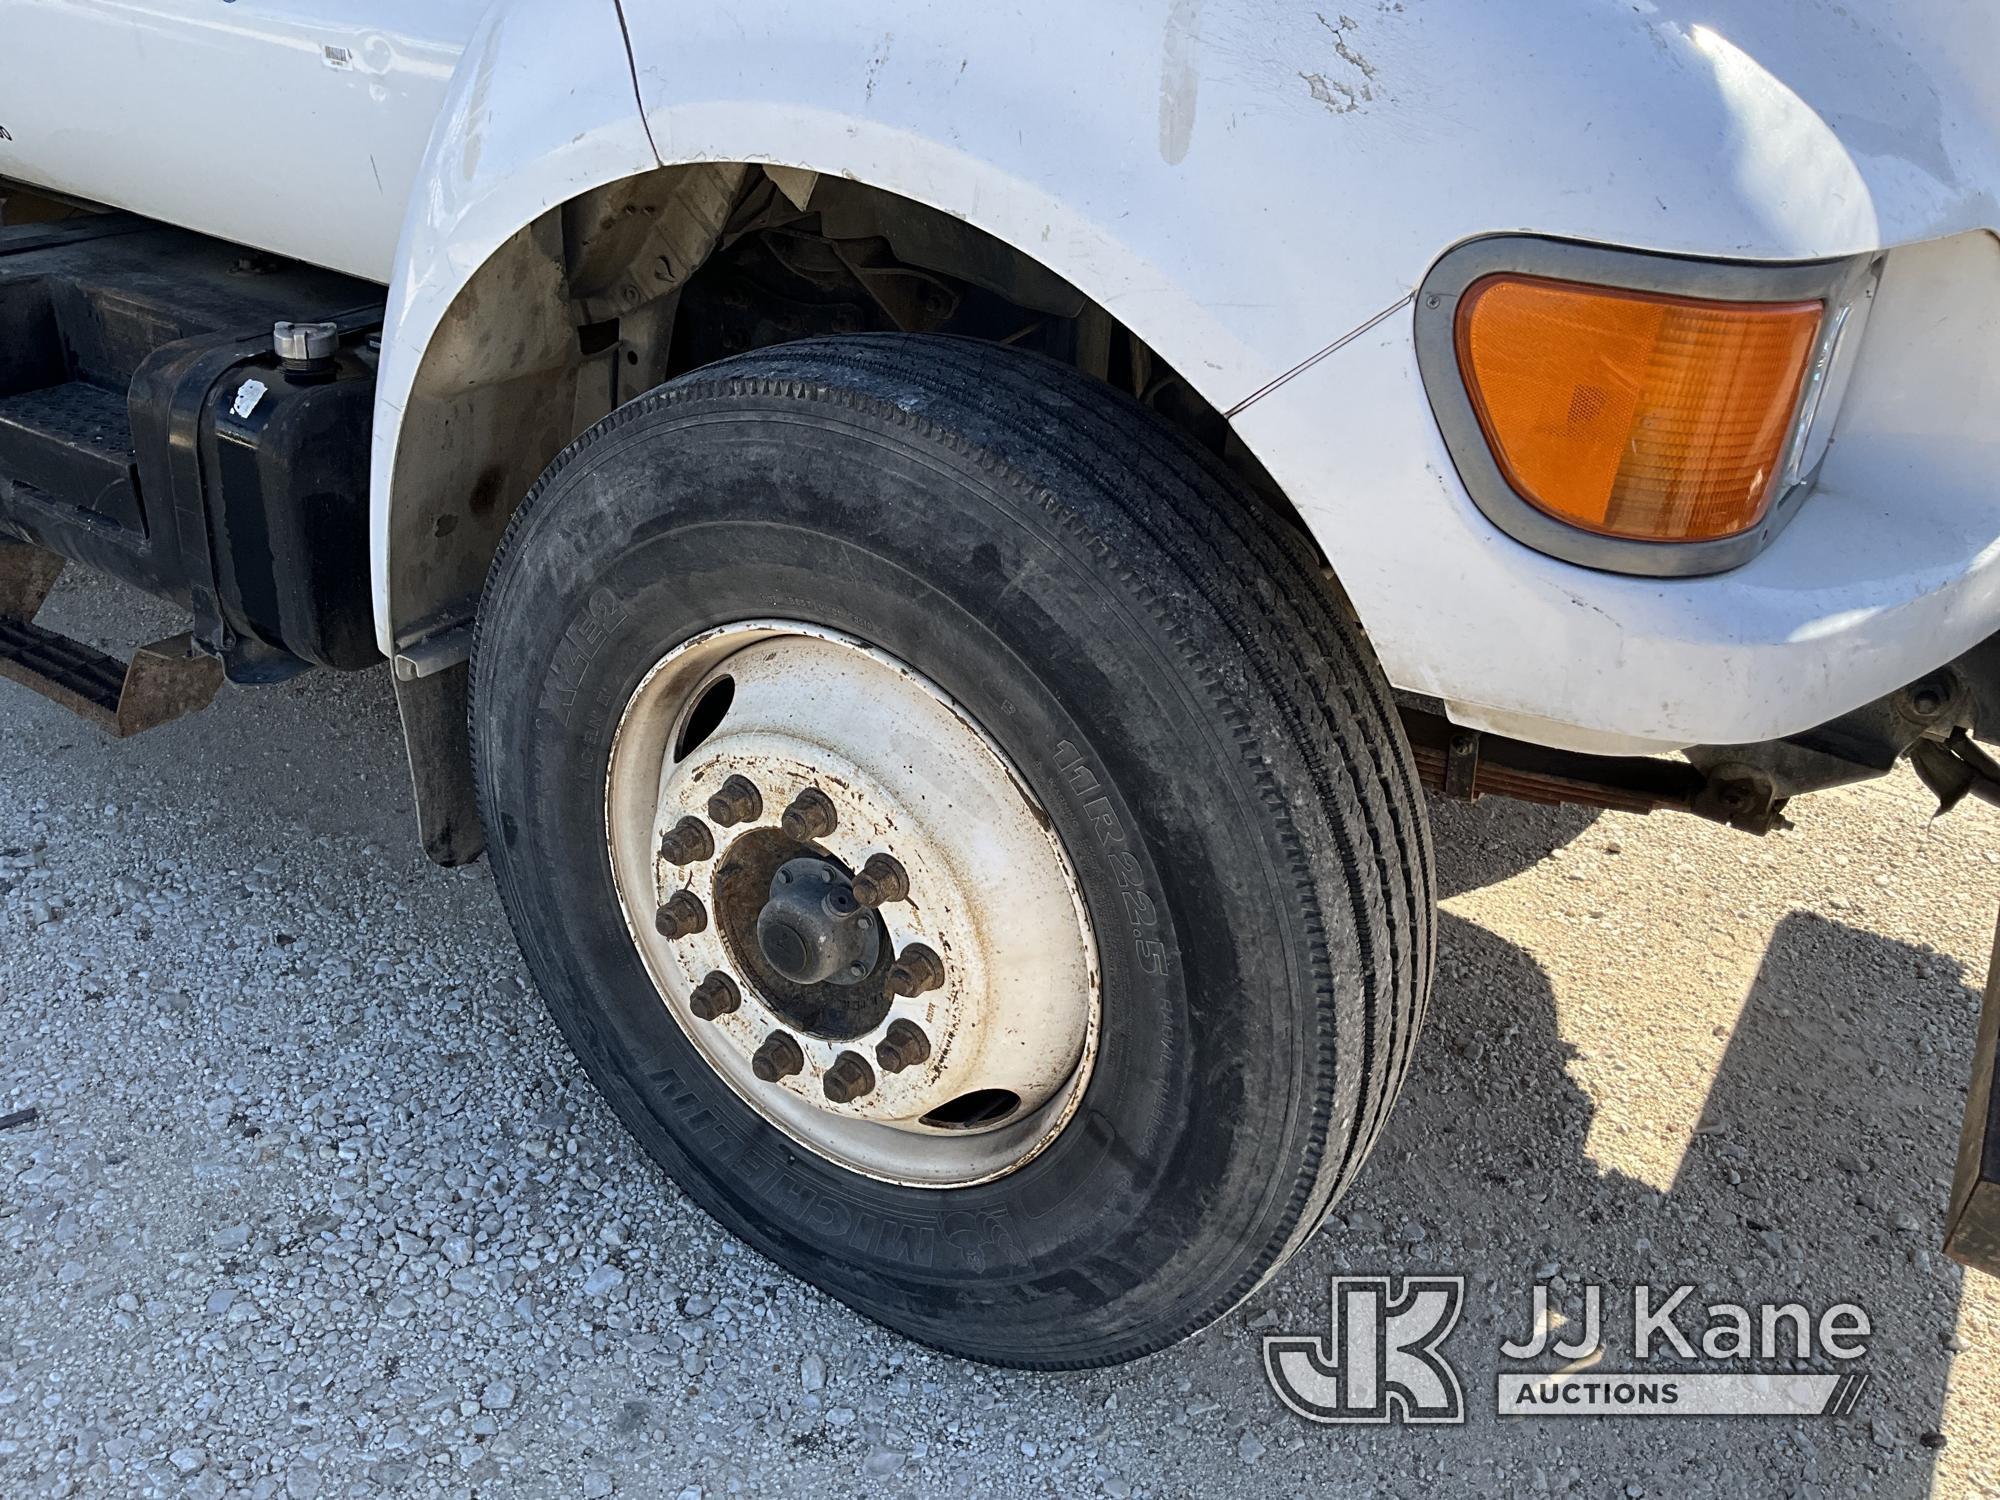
991	893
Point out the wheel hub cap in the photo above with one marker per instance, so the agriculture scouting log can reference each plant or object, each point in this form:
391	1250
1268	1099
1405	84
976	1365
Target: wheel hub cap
813	931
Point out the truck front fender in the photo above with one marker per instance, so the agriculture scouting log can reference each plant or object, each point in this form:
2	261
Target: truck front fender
1244	181
540	109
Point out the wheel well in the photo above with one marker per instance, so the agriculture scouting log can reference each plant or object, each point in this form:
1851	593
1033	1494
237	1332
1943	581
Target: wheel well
627	286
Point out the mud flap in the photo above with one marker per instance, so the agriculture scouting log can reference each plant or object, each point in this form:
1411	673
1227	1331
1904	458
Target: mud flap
435	734
1972	1229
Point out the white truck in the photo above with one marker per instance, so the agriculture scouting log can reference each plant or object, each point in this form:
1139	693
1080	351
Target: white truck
935	546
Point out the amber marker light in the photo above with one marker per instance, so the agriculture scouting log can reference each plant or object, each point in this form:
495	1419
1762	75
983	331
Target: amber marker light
1634	414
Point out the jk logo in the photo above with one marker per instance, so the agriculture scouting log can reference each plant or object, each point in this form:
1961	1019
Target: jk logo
1380	1362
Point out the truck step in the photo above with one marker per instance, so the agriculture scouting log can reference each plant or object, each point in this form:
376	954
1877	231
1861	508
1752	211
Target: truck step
73	443
162	682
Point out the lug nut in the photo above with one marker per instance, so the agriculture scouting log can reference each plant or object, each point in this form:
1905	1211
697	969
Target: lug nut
715	996
682	916
687	842
903	1045
882	881
811	816
779	1057
737	800
849	1078
915	970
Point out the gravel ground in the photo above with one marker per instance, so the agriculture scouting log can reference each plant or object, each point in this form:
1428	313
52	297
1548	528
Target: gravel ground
318	1205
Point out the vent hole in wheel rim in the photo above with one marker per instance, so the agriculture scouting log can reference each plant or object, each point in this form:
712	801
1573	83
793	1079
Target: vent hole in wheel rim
705	717
970	1111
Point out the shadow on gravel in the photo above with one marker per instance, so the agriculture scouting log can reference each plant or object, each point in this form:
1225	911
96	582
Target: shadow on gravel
1845	1156
1485	842
1819	1174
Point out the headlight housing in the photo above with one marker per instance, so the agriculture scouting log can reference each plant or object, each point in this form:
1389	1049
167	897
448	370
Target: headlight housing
1631	412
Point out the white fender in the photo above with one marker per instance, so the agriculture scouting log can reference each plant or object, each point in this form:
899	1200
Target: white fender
540	109
1244	181
1253	185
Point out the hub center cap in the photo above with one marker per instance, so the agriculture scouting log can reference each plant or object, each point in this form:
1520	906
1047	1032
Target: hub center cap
812	930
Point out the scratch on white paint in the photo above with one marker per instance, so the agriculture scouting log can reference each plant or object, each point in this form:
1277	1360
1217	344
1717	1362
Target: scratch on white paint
1180	80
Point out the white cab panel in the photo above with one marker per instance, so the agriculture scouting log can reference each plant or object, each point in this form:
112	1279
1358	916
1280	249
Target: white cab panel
292	125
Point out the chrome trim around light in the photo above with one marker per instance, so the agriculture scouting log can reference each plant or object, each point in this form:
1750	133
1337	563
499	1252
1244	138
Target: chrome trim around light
1846	286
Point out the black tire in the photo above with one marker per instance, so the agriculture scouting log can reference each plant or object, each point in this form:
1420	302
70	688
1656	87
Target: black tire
1071	570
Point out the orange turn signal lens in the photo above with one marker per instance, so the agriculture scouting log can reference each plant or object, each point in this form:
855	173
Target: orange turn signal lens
1634	414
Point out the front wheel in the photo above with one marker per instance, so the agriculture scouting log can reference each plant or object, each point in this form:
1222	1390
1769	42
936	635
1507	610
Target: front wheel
954	827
